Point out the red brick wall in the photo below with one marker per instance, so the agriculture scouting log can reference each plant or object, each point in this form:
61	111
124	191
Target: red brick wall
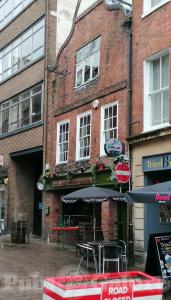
113	71
151	34
109	87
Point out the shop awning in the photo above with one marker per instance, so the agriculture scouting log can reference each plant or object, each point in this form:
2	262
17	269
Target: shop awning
156	193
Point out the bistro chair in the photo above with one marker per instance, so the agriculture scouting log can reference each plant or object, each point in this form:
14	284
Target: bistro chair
124	261
111	253
86	252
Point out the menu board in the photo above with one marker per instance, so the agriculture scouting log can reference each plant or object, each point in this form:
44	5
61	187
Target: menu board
163	244
158	262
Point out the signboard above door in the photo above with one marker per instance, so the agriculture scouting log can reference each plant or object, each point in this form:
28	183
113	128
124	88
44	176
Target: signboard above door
156	162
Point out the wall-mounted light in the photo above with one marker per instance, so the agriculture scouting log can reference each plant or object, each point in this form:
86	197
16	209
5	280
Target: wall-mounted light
96	104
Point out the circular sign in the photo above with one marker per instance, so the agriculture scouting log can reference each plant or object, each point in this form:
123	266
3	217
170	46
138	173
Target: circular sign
113	147
122	172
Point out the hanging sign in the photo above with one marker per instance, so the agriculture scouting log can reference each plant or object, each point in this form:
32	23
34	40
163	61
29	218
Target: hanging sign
122	172
113	147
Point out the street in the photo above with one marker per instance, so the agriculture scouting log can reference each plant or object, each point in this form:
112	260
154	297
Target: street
23	267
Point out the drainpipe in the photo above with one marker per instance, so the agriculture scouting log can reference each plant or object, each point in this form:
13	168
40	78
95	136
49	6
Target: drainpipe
127	25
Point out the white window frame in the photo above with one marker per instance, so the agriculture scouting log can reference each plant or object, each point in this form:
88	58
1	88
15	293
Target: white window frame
15	11
148	9
102	138
80	65
58	161
147	101
78	158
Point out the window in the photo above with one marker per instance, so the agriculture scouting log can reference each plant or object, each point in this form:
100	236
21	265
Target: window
23	51
87	62
151	5
62	142
22	110
83	136
10	8
165	213
109	124
156	92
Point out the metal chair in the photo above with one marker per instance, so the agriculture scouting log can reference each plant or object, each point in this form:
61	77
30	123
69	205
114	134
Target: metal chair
124	260
86	252
111	253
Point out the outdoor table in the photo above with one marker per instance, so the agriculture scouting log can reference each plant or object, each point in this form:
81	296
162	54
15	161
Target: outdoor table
63	230
99	246
120	286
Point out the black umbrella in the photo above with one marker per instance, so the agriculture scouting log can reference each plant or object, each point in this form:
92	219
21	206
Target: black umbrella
156	193
93	194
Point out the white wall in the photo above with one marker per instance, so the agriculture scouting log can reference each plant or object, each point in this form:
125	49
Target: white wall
65	13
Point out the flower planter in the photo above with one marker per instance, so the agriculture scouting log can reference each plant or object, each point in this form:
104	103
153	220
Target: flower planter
112	286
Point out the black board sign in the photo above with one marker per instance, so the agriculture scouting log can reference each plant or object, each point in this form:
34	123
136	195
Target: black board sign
158	262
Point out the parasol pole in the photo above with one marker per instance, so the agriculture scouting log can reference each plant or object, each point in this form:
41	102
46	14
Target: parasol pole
94	222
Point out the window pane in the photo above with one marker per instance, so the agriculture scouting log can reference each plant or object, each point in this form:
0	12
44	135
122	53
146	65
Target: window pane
155	2
26	51
87	69
5	120
16	58
84	136
156	75
38	39
165	106
95	66
25	112
87	62
79	74
165	71
165	213
36	108
14	110
63	141
156	109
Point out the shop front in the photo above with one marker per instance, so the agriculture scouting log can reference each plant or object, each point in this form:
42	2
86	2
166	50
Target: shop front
157	169
151	164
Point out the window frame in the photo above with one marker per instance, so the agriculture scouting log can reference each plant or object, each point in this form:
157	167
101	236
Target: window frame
10	105
147	92
18	43
57	141
14	12
78	158
92	58
102	132
148	9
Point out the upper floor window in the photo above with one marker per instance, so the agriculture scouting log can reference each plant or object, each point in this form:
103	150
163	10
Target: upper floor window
87	62
62	142
22	110
151	5
83	136
10	8
156	92
109	124
23	51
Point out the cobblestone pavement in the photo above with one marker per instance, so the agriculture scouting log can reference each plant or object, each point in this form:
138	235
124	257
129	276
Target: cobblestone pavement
23	267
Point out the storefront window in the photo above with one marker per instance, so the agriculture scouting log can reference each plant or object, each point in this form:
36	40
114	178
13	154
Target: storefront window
165	213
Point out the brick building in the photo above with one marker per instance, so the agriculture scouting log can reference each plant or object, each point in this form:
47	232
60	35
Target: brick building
87	105
26	27
151	114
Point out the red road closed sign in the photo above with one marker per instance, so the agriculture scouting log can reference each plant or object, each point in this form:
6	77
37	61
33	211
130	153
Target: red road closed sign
122	172
117	291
